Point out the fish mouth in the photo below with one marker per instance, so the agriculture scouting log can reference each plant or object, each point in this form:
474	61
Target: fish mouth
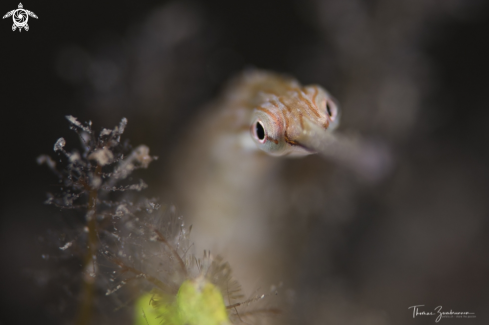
300	148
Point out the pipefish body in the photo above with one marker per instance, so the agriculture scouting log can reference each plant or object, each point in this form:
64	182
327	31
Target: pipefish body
225	163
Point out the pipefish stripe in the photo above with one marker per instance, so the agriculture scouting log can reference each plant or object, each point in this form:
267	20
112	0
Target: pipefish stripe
311	106
286	121
286	137
267	111
290	111
301	106
315	94
293	142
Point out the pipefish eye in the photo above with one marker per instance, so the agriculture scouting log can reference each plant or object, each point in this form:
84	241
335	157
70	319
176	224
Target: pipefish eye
331	109
333	112
267	132
259	132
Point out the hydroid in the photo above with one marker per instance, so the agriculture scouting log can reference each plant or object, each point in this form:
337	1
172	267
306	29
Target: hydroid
91	181
137	262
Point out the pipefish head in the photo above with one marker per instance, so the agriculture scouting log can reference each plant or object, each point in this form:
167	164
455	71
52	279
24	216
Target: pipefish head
278	122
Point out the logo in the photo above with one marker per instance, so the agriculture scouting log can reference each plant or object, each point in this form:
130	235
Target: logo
20	17
439	314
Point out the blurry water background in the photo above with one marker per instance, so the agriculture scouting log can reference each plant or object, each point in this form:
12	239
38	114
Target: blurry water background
412	73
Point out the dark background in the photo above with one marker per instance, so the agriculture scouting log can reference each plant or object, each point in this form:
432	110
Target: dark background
418	237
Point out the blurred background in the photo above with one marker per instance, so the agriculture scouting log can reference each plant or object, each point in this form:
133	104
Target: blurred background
413	74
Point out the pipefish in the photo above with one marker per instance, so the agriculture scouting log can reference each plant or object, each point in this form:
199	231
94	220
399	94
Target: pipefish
221	175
